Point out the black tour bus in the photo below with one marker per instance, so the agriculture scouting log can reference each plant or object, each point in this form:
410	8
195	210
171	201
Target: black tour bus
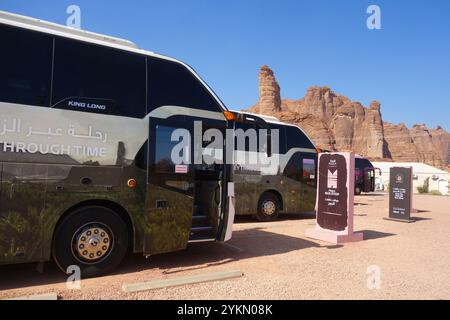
87	125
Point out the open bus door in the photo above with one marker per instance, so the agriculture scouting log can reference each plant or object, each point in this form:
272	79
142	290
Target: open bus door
170	189
369	179
185	201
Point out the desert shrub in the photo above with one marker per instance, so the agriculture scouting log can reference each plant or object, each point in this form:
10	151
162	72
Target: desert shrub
426	186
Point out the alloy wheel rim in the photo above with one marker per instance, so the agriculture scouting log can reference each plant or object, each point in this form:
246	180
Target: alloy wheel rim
92	243
269	208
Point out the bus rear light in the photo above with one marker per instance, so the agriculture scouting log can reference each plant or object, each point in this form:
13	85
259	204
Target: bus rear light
131	183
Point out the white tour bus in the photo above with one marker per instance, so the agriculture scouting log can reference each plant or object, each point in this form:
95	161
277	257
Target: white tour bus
86	128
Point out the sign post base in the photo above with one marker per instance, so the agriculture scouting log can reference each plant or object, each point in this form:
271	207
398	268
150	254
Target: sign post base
333	236
400	220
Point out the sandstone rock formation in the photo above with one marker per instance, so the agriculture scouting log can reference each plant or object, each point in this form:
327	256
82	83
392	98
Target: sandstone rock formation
269	92
336	123
427	152
441	140
400	145
321	102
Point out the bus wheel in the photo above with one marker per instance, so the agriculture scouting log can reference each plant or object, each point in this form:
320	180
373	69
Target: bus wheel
93	238
268	207
357	190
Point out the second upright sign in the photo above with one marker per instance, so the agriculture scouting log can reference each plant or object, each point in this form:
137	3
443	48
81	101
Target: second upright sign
335	199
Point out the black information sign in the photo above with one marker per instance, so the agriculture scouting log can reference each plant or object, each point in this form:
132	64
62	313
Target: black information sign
332	213
400	193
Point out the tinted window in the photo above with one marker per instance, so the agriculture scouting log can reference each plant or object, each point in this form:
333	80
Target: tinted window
362	164
25	66
171	84
164	147
282	138
295	138
246	137
98	79
294	167
309	171
141	160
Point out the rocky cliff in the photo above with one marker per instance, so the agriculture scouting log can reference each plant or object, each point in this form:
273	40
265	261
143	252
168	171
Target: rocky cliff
336	123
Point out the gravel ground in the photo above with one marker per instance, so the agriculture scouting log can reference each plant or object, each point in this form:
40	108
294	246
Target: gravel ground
279	262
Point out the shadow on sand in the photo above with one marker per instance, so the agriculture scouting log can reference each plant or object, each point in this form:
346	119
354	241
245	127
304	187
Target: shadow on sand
372	234
418	219
281	217
245	244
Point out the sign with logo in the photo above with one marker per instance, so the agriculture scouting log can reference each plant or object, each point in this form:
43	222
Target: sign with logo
335	199
400	193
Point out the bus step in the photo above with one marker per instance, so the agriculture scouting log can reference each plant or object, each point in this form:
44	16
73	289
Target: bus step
199	217
208	239
200	229
198	233
200	221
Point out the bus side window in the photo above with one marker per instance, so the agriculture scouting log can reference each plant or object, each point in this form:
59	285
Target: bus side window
295	138
141	159
25	66
111	80
294	167
172	84
309	171
248	141
281	139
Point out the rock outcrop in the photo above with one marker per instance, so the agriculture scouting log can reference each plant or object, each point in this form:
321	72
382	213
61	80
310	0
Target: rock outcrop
441	140
336	123
427	151
321	102
400	145
269	92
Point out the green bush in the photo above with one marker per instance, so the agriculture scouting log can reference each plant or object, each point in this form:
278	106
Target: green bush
426	186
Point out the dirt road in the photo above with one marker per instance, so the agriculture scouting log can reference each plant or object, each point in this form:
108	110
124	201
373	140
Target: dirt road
279	262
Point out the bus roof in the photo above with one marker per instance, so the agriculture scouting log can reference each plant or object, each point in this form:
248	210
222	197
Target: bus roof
32	23
29	23
275	120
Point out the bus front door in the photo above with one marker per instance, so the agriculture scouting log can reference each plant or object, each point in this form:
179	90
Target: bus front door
369	180
170	187
309	182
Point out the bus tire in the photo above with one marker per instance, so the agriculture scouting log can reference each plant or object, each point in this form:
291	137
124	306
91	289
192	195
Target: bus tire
268	207
357	190
93	238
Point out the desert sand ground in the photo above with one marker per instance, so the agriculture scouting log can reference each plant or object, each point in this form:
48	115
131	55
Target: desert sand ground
279	262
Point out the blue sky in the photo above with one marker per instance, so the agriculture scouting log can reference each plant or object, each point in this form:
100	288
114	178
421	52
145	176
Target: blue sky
405	65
